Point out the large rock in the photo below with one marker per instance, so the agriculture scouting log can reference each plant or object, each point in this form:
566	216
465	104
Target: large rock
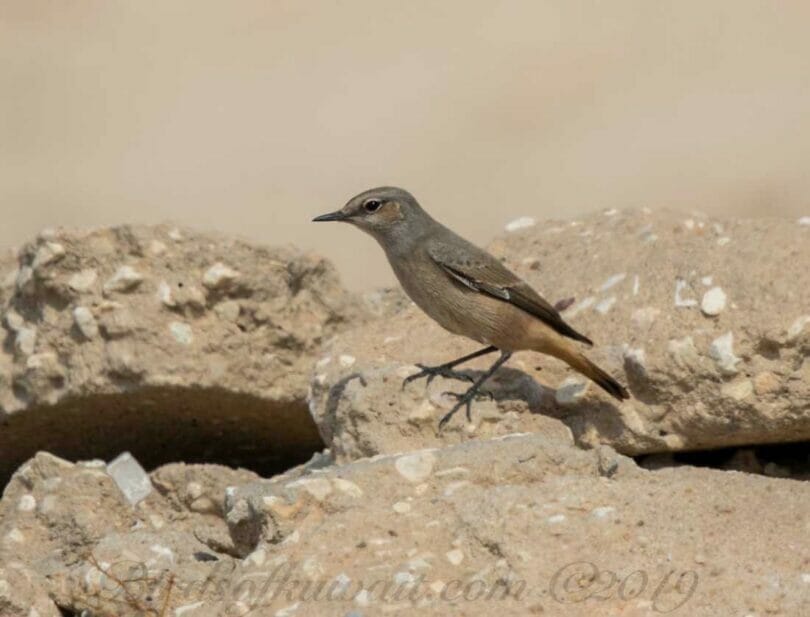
707	321
519	525
173	344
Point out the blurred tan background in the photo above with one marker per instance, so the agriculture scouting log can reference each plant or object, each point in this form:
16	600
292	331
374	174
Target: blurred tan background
252	117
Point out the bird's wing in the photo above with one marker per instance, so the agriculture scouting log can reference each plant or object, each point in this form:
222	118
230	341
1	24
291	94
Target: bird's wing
479	271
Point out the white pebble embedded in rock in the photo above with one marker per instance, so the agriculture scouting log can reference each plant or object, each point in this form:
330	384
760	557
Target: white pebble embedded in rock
126	278
804	221
455	556
680	301
722	352
82	281
130	478
27	503
48	253
164	294
797	327
570	391
181	332
85	322
714	301
346	360
218	276
417	466
26	341
520	223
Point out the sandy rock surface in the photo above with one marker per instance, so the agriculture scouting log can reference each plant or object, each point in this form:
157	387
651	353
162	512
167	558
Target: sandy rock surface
707	322
129	347
518	525
115	330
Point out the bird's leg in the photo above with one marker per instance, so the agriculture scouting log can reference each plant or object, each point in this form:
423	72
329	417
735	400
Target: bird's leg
446	369
465	400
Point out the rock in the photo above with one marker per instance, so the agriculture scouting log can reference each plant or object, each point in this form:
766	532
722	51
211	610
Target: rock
148	351
714	301
722	351
218	276
685	393
85	322
503	516
130	477
126	278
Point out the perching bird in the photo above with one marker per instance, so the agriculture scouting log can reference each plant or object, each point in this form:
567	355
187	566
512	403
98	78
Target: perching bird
466	290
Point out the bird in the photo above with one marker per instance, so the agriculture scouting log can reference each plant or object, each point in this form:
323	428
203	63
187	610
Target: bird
467	291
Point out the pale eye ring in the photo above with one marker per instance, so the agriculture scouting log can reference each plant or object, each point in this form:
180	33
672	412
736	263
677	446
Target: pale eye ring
372	205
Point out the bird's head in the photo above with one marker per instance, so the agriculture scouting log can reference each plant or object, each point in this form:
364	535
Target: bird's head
387	213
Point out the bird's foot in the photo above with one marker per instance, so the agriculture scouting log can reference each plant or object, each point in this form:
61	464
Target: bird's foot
431	372
464	399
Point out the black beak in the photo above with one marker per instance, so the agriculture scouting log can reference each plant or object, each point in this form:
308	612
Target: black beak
332	216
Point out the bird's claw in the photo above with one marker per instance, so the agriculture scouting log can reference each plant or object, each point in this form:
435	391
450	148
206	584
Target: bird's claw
464	400
431	372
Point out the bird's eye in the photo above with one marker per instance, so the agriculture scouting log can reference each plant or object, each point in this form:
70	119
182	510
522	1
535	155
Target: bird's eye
372	205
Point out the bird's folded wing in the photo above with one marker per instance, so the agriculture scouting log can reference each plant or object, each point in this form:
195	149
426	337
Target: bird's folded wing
485	274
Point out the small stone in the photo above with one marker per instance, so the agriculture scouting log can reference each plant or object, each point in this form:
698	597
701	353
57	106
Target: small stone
14	320
722	352
680	301
82	281
175	234
194	490
520	223
556	519
85	322
737	390
636	284
804	221
130	478
346	360
164	294
26	340
48	253
24	276
126	278
707	281
603	511
714	301
636	358
27	503
722	241
219	276
455	556
424	412
46	361
797	327
181	332
228	310
765	383
570	391
416	467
